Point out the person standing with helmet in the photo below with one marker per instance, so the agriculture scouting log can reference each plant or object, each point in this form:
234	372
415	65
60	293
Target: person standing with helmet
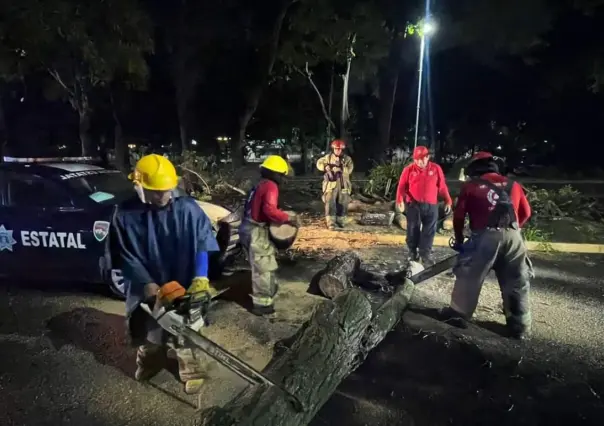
497	208
417	194
261	210
337	168
162	240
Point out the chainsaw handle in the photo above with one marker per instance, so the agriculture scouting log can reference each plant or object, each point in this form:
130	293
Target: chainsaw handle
453	243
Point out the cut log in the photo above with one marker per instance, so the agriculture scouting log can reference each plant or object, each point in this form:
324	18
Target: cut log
377	219
330	346
401	221
337	275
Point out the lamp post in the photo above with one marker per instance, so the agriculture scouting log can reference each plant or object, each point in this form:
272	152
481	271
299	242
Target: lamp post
427	29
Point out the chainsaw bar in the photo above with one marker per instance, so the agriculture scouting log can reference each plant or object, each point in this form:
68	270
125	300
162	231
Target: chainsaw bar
434	270
397	278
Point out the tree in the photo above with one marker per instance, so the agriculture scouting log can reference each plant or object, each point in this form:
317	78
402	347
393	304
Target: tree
342	38
189	38
81	45
258	29
9	65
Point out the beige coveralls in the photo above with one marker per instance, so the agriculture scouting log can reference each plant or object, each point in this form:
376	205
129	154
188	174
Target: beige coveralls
336	193
263	262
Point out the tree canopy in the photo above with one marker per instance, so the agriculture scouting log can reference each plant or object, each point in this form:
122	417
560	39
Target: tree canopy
310	68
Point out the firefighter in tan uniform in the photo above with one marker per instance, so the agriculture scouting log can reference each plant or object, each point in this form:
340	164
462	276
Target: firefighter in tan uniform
337	168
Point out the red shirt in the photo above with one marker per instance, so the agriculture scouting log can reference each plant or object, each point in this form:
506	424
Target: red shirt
263	206
474	201
422	185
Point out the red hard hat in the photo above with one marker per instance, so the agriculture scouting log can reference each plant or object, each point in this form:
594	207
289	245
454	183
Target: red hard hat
420	152
482	155
338	143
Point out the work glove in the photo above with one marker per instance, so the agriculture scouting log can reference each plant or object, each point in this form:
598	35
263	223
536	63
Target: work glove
200	288
456	244
448	210
294	220
401	207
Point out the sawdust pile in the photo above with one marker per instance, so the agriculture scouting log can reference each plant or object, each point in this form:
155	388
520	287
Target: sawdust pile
314	237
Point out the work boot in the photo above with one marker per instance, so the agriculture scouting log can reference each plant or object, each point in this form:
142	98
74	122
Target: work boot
341	221
264	311
190	369
330	222
452	317
517	331
193	386
413	256
150	360
427	260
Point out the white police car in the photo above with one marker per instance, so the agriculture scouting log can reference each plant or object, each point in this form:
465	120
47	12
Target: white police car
55	218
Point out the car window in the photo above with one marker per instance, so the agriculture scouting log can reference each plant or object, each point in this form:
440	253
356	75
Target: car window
108	187
31	191
2	186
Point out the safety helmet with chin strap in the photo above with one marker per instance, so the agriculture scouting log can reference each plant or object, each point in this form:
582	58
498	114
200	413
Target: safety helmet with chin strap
276	164
338	144
155	173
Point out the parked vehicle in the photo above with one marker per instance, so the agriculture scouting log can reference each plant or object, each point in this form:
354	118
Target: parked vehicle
55	222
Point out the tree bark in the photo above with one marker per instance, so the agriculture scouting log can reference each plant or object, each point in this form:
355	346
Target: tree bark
304	154
84	129
377	219
328	347
329	134
345	112
122	159
264	67
388	85
337	275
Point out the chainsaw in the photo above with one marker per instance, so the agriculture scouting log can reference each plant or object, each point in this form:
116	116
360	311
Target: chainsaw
396	278
185	317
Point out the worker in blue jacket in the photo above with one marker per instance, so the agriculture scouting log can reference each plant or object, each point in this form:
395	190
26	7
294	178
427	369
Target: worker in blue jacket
162	239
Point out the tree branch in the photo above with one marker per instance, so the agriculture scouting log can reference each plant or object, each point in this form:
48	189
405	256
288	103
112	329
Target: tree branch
308	76
199	176
54	74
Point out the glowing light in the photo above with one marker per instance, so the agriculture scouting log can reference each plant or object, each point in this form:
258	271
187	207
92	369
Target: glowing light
429	28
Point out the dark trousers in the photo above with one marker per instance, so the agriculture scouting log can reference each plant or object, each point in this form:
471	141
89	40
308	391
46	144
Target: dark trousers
421	227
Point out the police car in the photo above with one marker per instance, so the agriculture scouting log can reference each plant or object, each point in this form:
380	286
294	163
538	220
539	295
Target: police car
55	220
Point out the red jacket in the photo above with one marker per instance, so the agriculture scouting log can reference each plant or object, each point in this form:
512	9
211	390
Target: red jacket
422	185
473	201
263	205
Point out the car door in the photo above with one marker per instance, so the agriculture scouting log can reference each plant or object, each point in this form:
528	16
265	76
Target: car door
49	229
12	256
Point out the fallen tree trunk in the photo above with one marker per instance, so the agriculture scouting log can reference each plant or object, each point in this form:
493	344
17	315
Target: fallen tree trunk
330	346
337	275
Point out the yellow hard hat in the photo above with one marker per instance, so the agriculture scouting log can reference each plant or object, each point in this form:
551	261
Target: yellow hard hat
155	172
276	164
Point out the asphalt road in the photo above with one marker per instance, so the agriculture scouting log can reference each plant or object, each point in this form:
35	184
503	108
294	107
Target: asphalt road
65	359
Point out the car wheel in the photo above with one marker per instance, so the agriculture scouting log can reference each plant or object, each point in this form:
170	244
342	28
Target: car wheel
117	284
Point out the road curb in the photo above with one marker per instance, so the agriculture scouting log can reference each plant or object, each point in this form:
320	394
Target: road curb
307	233
443	241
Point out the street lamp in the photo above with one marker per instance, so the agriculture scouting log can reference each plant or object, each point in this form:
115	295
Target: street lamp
426	30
